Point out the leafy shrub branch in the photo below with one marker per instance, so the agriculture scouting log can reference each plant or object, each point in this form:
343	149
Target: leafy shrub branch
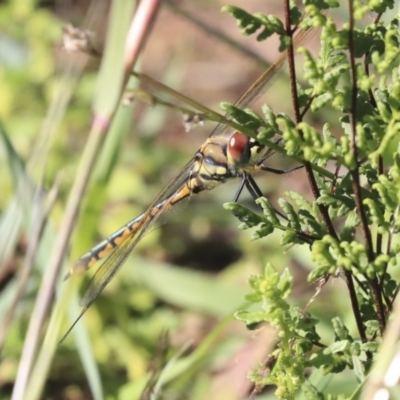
352	225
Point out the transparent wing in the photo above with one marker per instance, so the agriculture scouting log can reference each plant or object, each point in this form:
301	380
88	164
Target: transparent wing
175	192
262	83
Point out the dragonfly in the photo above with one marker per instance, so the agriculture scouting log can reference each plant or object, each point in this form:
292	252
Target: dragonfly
226	154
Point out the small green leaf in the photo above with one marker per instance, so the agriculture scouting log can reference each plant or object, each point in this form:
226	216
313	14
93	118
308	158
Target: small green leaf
251	318
338	347
249	24
247	118
249	218
340	329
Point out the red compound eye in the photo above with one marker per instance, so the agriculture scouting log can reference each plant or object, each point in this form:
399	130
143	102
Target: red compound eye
238	147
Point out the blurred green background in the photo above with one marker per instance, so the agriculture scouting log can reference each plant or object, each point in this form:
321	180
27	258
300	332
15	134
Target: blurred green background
185	278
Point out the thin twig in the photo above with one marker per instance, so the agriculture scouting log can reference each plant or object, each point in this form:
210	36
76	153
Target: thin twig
314	187
353	120
355	173
307	107
298	118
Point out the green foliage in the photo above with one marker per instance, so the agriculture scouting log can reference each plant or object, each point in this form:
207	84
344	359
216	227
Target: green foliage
247	118
249	24
352	224
296	332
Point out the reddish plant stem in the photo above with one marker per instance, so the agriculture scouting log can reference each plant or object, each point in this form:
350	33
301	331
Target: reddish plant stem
376	291
311	178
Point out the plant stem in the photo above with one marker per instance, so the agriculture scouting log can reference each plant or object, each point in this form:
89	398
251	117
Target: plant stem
355	173
314	187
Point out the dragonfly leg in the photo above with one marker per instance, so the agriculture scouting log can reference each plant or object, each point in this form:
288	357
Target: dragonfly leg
255	192
279	171
240	188
252	187
250	184
274	170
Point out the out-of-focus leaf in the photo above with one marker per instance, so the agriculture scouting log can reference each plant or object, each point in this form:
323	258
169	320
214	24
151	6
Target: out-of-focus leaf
188	288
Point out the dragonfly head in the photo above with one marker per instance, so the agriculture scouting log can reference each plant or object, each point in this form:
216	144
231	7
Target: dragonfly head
244	152
219	159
